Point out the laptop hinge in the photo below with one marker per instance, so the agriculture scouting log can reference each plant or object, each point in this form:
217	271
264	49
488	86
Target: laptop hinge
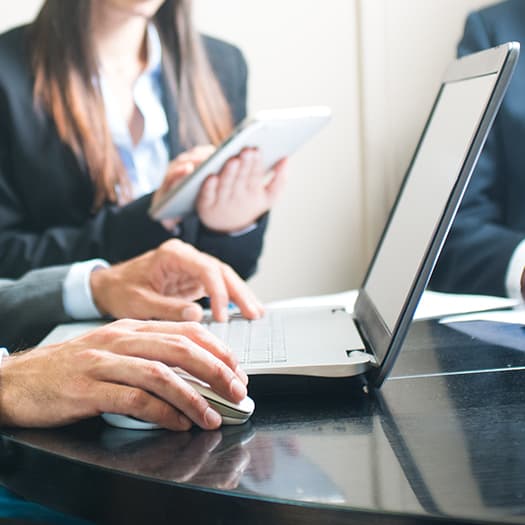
366	342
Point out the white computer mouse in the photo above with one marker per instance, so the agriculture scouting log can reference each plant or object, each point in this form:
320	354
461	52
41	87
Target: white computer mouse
231	413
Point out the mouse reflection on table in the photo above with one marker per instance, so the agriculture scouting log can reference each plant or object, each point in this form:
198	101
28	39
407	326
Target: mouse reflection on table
216	458
230	412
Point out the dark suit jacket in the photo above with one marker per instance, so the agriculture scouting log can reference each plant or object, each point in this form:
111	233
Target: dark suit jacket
491	220
46	195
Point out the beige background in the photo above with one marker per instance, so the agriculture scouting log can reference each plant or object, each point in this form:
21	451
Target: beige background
377	63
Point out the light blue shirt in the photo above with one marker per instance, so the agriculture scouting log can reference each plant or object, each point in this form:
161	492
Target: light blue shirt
147	161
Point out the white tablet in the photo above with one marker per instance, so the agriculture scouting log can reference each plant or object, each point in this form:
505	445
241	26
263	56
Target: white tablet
276	133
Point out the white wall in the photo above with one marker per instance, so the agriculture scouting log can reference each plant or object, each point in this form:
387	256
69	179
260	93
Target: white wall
300	54
18	12
405	45
378	64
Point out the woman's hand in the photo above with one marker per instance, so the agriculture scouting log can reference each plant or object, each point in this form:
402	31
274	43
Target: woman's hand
236	197
181	167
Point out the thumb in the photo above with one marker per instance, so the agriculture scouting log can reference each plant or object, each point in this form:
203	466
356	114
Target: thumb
164	308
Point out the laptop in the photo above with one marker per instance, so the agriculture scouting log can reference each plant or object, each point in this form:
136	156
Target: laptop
329	342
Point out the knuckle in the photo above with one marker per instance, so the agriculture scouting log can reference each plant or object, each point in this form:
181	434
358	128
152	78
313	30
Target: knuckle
219	372
193	329
183	345
171	245
116	330
165	412
90	355
230	359
227	269
158	372
135	399
184	424
90	359
196	402
122	324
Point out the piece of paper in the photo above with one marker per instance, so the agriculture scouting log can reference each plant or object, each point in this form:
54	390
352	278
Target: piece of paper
512	316
433	305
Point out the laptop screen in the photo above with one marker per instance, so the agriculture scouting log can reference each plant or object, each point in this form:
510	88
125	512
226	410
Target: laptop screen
426	191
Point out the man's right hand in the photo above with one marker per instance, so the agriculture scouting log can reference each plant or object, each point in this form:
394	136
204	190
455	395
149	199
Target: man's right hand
164	283
124	367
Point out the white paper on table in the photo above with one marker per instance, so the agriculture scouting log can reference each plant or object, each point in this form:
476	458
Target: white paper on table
432	305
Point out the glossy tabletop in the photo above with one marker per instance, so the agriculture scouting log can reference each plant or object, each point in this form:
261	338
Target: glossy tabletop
444	440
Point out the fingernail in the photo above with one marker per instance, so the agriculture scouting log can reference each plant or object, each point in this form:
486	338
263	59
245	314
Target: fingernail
256	310
242	374
211	418
224	313
191	313
237	389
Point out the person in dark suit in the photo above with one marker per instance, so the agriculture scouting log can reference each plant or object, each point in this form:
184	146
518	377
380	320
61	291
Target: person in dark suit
485	250
95	98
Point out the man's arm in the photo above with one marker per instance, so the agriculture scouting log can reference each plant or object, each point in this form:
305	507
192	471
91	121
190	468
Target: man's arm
483	238
31	306
160	284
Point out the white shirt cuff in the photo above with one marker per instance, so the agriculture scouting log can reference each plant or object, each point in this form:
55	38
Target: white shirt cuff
514	271
76	290
244	231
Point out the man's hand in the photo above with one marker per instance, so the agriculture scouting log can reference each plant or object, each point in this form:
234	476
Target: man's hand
242	192
164	283
126	368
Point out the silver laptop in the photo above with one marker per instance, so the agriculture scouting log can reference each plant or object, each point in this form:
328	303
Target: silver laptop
330	342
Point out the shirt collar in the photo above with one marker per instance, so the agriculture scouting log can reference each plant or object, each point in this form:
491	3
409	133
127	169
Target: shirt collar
154	48
146	90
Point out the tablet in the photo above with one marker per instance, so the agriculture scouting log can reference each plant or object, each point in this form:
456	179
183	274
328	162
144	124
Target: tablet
276	133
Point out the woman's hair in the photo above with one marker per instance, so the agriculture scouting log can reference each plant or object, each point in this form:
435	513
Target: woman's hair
66	73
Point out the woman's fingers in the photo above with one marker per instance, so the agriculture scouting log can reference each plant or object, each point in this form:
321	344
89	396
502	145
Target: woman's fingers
208	192
227	180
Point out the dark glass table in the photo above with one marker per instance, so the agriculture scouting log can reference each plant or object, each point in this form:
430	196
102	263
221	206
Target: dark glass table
444	441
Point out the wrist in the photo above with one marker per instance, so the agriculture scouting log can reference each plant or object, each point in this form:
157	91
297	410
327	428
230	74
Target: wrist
8	396
230	229
77	297
100	282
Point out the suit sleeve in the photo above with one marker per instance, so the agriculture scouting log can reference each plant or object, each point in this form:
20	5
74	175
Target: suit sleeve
479	247
114	233
31	306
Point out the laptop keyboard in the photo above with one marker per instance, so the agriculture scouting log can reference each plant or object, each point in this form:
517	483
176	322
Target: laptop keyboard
253	342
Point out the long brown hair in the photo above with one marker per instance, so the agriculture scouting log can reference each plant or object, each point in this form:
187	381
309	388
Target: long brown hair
65	69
